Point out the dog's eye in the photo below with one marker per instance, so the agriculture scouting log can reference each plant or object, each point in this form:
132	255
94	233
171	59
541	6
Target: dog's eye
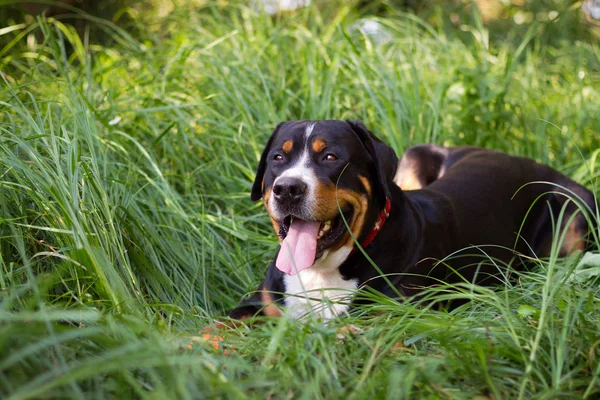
330	157
278	157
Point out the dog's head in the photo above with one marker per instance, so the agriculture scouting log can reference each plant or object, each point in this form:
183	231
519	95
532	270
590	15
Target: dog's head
308	172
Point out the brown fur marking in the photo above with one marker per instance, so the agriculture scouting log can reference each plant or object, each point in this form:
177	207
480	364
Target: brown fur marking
276	227
366	184
361	205
319	145
574	239
266	197
269	309
409	179
287	146
275	223
327	208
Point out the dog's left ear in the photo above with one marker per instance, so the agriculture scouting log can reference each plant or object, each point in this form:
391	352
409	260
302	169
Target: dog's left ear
383	155
256	192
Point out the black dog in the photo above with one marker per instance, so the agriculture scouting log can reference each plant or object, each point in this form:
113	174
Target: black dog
321	180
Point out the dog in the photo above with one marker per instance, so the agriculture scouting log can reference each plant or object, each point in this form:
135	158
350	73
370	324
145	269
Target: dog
335	194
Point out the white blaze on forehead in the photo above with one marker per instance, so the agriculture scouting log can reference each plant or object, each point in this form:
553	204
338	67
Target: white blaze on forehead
308	131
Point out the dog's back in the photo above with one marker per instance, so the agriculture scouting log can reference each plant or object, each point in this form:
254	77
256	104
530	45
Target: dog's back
511	202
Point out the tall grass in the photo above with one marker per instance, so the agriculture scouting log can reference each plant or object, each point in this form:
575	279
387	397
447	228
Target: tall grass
126	224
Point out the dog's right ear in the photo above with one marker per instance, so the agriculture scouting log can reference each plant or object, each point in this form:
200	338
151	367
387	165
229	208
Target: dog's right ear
257	186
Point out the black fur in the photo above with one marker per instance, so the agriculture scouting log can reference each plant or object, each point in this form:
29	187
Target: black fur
472	197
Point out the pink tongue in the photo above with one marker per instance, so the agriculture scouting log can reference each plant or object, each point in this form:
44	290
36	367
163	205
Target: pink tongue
299	247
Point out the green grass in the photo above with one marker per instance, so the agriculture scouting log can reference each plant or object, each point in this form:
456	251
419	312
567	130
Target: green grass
126	224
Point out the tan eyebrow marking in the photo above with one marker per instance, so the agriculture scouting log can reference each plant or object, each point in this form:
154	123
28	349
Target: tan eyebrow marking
287	146
319	145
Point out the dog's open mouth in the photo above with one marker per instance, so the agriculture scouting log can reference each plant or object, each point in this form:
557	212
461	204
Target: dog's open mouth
305	241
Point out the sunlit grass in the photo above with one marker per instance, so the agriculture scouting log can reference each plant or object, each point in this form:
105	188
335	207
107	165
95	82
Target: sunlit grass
126	224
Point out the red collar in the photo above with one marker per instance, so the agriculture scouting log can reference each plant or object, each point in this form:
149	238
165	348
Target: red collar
381	218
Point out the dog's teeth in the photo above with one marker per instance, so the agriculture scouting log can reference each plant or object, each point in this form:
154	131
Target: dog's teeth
324	229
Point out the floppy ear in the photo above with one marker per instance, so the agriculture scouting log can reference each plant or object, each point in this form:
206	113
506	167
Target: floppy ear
383	155
256	192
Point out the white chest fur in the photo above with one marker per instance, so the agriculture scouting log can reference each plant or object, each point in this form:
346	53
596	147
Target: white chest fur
320	288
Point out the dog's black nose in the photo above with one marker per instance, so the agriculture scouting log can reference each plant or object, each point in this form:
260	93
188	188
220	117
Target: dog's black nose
289	189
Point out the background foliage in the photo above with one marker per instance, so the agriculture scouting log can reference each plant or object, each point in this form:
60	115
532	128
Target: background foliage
128	145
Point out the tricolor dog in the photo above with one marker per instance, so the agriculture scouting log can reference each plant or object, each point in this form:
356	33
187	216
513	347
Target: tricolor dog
331	185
